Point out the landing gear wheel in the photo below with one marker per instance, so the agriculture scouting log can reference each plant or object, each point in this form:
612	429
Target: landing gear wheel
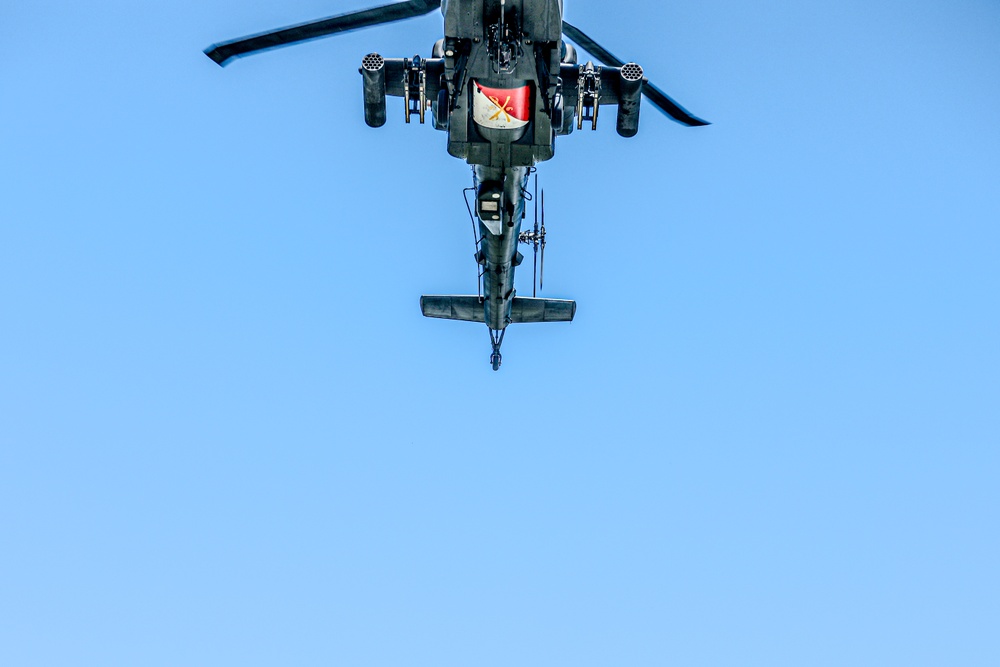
496	340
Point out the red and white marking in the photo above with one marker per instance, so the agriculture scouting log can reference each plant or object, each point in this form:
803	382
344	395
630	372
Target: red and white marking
501	108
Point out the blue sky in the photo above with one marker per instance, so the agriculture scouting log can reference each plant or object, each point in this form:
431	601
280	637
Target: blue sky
227	436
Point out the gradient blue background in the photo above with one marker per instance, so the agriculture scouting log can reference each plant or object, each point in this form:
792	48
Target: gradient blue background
227	436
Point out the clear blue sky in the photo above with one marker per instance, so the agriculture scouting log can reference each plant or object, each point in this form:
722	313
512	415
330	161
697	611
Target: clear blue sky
227	436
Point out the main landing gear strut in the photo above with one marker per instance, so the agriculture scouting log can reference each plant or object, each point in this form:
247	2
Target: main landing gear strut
496	339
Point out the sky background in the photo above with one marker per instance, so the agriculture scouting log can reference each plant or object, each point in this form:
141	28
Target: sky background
228	437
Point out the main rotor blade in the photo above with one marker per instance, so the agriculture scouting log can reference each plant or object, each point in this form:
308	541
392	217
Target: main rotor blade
222	53
660	99
541	275
534	262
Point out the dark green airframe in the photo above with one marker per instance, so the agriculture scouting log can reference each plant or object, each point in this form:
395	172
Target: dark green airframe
502	83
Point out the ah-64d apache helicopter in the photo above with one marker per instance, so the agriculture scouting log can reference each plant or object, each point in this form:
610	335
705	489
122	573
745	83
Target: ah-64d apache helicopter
502	83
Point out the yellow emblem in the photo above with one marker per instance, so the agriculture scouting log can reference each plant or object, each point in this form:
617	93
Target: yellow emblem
501	108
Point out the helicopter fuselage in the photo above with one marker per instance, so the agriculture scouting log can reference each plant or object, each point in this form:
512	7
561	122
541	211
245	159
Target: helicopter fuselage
501	67
502	83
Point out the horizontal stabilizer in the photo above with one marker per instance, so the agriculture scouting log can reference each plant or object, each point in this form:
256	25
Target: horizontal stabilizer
523	309
528	309
464	308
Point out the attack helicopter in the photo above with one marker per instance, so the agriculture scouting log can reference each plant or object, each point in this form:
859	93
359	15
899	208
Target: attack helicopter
503	83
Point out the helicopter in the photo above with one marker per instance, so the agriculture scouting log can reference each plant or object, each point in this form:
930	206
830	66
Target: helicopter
503	83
